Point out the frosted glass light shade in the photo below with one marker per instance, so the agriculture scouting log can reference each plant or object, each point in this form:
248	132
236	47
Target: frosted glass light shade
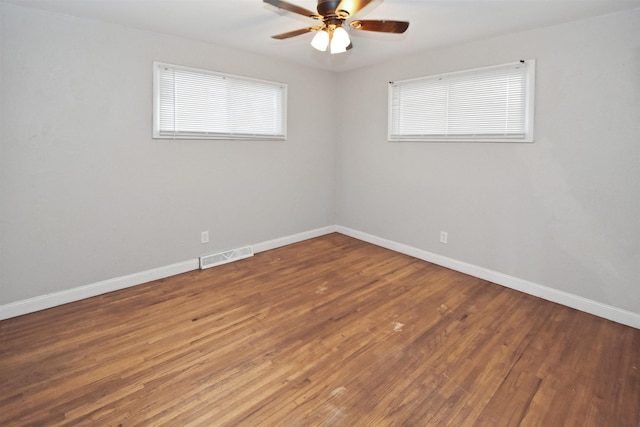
320	41
340	40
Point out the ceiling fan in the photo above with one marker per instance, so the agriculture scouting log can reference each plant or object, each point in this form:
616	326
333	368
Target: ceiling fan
333	14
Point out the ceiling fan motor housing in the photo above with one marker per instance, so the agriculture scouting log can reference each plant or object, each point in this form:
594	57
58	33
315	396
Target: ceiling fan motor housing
327	8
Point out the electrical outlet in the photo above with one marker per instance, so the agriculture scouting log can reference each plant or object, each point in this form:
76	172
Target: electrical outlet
444	237
204	237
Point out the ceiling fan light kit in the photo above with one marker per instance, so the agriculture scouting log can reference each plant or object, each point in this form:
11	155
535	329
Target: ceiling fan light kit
333	14
336	39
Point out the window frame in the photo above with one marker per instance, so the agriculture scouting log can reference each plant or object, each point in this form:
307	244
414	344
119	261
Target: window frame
157	133
528	115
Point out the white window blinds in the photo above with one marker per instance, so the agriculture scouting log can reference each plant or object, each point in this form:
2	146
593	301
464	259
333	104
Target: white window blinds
199	104
488	104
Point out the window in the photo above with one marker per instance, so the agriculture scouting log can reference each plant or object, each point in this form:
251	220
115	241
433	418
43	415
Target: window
198	104
486	104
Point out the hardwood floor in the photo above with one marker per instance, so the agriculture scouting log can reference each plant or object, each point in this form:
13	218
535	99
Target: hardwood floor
327	332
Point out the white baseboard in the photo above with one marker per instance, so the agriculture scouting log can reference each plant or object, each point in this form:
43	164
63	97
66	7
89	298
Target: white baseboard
574	301
293	238
43	302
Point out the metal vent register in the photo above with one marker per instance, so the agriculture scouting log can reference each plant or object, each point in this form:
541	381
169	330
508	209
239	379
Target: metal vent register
225	257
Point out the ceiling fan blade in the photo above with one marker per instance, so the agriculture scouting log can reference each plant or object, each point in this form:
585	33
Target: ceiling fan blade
397	27
295	32
292	8
352	6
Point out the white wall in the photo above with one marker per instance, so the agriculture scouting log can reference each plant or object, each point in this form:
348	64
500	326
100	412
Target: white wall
563	212
87	195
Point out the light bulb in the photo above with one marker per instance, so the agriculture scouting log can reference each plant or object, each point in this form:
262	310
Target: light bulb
320	40
340	40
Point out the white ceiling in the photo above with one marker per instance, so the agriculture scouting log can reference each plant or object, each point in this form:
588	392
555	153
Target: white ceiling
248	24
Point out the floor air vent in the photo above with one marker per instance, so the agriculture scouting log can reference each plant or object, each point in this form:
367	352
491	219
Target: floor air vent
225	257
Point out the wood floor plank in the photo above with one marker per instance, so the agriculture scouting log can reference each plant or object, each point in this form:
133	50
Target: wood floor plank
331	331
